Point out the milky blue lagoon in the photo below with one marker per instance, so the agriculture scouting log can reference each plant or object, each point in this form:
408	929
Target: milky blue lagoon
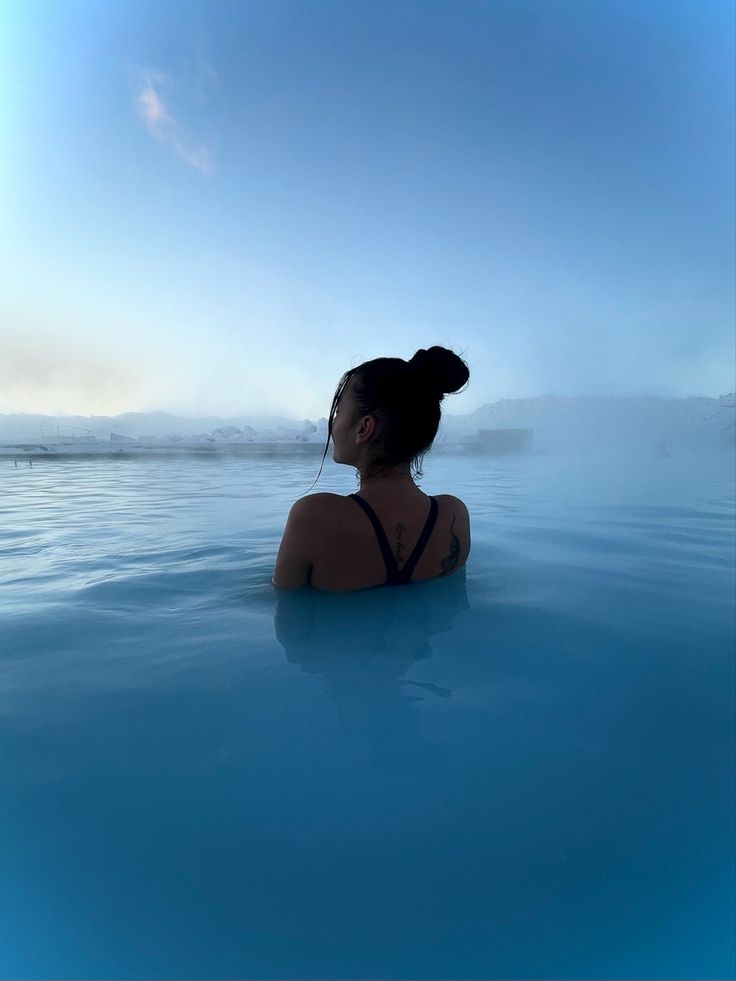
524	770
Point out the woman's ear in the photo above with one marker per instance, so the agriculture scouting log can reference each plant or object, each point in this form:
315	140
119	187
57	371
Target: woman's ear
367	429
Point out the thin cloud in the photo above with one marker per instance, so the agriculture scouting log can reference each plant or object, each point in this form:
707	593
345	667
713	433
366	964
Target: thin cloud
162	126
152	109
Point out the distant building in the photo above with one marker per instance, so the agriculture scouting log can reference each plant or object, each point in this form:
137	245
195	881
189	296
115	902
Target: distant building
504	440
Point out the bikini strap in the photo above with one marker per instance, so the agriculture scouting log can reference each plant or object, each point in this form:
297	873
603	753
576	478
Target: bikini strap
394	574
380	535
411	562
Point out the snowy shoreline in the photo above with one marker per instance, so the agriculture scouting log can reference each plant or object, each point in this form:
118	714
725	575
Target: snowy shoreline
587	426
67	449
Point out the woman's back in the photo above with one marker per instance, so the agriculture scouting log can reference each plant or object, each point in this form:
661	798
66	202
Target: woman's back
378	539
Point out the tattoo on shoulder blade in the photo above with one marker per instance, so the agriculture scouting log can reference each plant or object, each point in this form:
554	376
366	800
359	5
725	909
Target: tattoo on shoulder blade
450	561
400	544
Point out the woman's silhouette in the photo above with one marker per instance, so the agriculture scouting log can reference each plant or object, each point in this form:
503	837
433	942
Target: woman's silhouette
384	417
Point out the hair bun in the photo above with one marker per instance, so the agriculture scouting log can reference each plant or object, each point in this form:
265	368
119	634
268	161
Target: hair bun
440	369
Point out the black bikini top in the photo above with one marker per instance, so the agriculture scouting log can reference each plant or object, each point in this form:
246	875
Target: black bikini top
394	576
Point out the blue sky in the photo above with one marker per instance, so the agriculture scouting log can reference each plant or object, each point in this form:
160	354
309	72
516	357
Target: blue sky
219	207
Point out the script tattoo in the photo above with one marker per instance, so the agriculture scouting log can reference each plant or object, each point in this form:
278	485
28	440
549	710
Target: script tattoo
400	529
450	561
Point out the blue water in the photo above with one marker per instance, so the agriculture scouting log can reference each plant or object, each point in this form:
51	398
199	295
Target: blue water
524	770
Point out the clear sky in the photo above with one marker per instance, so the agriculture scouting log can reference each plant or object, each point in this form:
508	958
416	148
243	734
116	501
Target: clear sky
221	206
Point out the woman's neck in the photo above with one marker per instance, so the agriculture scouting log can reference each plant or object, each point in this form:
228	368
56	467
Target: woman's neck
390	482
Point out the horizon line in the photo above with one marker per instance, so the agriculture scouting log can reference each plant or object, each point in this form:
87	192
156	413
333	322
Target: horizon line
267	414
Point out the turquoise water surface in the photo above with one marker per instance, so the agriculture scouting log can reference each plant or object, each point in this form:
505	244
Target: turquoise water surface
524	770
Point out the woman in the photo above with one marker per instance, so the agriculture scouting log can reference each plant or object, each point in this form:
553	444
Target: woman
384	418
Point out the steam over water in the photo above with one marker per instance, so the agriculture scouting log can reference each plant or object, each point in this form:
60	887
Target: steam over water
524	770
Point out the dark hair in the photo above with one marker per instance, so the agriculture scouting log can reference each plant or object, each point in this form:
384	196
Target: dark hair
405	397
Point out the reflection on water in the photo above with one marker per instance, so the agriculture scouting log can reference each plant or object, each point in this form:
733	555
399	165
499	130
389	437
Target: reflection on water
361	646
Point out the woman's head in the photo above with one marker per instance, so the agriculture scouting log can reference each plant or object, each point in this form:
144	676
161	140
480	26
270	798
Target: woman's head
386	412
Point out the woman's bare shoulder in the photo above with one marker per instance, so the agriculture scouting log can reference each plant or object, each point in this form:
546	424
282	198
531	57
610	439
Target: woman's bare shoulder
327	503
455	502
322	499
